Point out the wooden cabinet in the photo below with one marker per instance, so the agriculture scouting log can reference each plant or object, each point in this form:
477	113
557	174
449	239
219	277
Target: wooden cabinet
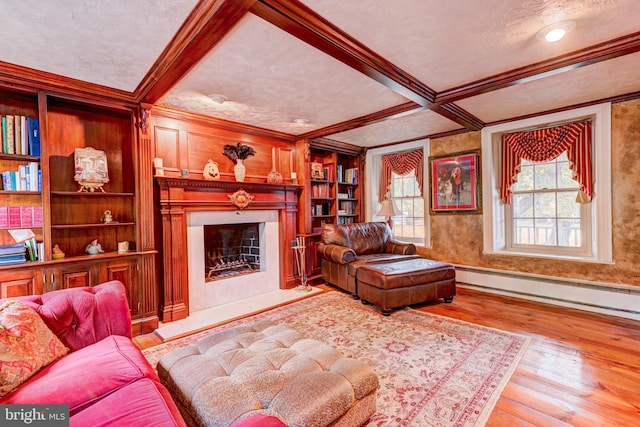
21	282
124	271
75	275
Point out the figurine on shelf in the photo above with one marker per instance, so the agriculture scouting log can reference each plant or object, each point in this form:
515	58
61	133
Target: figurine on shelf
56	252
94	248
108	217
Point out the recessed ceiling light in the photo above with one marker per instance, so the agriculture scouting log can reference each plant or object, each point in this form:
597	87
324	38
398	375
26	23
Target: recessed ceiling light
217	98
301	121
555	32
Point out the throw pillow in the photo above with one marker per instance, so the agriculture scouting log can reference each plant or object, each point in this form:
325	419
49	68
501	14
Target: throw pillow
26	345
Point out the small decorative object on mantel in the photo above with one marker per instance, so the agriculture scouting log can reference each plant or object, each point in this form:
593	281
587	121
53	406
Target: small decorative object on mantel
274	176
94	248
158	164
241	199
90	169
211	171
238	153
56	252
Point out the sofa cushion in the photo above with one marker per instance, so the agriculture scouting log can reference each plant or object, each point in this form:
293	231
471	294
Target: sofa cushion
83	316
86	375
364	238
144	402
26	345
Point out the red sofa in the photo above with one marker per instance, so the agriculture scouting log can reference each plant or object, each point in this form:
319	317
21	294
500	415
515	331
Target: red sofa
104	378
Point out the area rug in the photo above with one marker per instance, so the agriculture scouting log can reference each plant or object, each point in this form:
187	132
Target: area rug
433	370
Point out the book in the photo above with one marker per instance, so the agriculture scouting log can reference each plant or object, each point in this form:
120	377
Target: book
13	259
26	216
37	216
4	216
31	249
33	128
24	136
10	139
3	134
17	134
33	176
14	216
12	249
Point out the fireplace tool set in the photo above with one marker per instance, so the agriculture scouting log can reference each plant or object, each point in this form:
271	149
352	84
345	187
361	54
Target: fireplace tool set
299	251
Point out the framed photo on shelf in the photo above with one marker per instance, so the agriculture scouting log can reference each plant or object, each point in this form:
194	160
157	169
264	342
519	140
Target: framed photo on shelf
317	170
455	183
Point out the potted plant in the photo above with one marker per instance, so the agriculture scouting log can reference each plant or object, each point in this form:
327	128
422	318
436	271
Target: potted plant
238	153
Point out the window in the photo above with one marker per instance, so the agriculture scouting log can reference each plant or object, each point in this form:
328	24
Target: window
544	211
409	224
544	219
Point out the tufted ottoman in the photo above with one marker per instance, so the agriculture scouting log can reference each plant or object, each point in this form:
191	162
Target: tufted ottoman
412	281
272	370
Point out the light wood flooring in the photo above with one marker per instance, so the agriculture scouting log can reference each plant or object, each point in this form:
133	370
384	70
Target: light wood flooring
580	369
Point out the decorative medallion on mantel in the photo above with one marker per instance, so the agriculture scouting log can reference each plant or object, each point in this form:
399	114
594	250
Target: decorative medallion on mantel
241	199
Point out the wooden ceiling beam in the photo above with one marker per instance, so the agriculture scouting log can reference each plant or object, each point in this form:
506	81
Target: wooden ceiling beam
601	52
304	24
386	114
205	27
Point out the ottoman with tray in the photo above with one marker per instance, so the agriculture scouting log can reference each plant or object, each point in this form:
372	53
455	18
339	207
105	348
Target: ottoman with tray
395	284
268	369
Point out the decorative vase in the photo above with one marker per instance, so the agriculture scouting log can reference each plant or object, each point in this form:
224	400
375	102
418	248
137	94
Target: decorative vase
239	170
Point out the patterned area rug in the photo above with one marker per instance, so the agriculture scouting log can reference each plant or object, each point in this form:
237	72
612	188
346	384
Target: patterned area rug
434	371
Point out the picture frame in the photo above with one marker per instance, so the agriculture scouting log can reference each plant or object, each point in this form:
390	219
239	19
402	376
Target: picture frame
455	183
317	171
90	170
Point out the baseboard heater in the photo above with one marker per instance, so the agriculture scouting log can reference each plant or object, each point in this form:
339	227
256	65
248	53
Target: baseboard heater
616	299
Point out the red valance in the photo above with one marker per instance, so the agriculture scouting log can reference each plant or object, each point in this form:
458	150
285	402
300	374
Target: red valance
401	164
543	145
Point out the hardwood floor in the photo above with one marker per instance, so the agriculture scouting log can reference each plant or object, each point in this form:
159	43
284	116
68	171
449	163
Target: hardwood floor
580	369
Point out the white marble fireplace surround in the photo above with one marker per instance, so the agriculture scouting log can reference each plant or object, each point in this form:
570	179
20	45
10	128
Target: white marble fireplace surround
203	295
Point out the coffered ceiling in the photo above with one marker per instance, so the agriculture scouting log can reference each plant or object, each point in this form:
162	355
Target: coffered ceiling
366	73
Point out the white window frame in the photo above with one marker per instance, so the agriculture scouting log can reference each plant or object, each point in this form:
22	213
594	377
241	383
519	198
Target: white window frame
372	181
494	211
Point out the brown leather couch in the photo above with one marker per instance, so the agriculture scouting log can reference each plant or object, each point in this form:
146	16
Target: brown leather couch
346	247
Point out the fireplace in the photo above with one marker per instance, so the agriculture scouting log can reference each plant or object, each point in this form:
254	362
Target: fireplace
228	256
231	250
187	205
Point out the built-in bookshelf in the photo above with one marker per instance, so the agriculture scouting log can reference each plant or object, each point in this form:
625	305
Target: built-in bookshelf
43	207
333	194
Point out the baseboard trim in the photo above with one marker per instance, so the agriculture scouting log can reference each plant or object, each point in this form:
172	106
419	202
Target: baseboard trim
605	298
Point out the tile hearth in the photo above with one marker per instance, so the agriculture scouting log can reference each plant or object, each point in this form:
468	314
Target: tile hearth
217	315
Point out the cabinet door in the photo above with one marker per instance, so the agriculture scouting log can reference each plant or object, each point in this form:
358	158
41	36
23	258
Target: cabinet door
74	276
21	283
124	271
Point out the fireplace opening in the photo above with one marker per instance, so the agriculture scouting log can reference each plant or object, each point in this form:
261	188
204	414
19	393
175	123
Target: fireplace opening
231	250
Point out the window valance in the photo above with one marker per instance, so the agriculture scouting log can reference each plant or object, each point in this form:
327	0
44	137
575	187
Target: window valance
401	164
542	145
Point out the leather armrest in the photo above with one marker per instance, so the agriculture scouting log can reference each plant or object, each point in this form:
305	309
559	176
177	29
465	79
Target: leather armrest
336	253
397	247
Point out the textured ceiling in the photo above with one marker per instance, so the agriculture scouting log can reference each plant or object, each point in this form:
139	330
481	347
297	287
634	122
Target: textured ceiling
111	43
268	67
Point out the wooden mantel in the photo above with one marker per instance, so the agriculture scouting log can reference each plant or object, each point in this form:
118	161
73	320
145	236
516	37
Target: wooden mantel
179	196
